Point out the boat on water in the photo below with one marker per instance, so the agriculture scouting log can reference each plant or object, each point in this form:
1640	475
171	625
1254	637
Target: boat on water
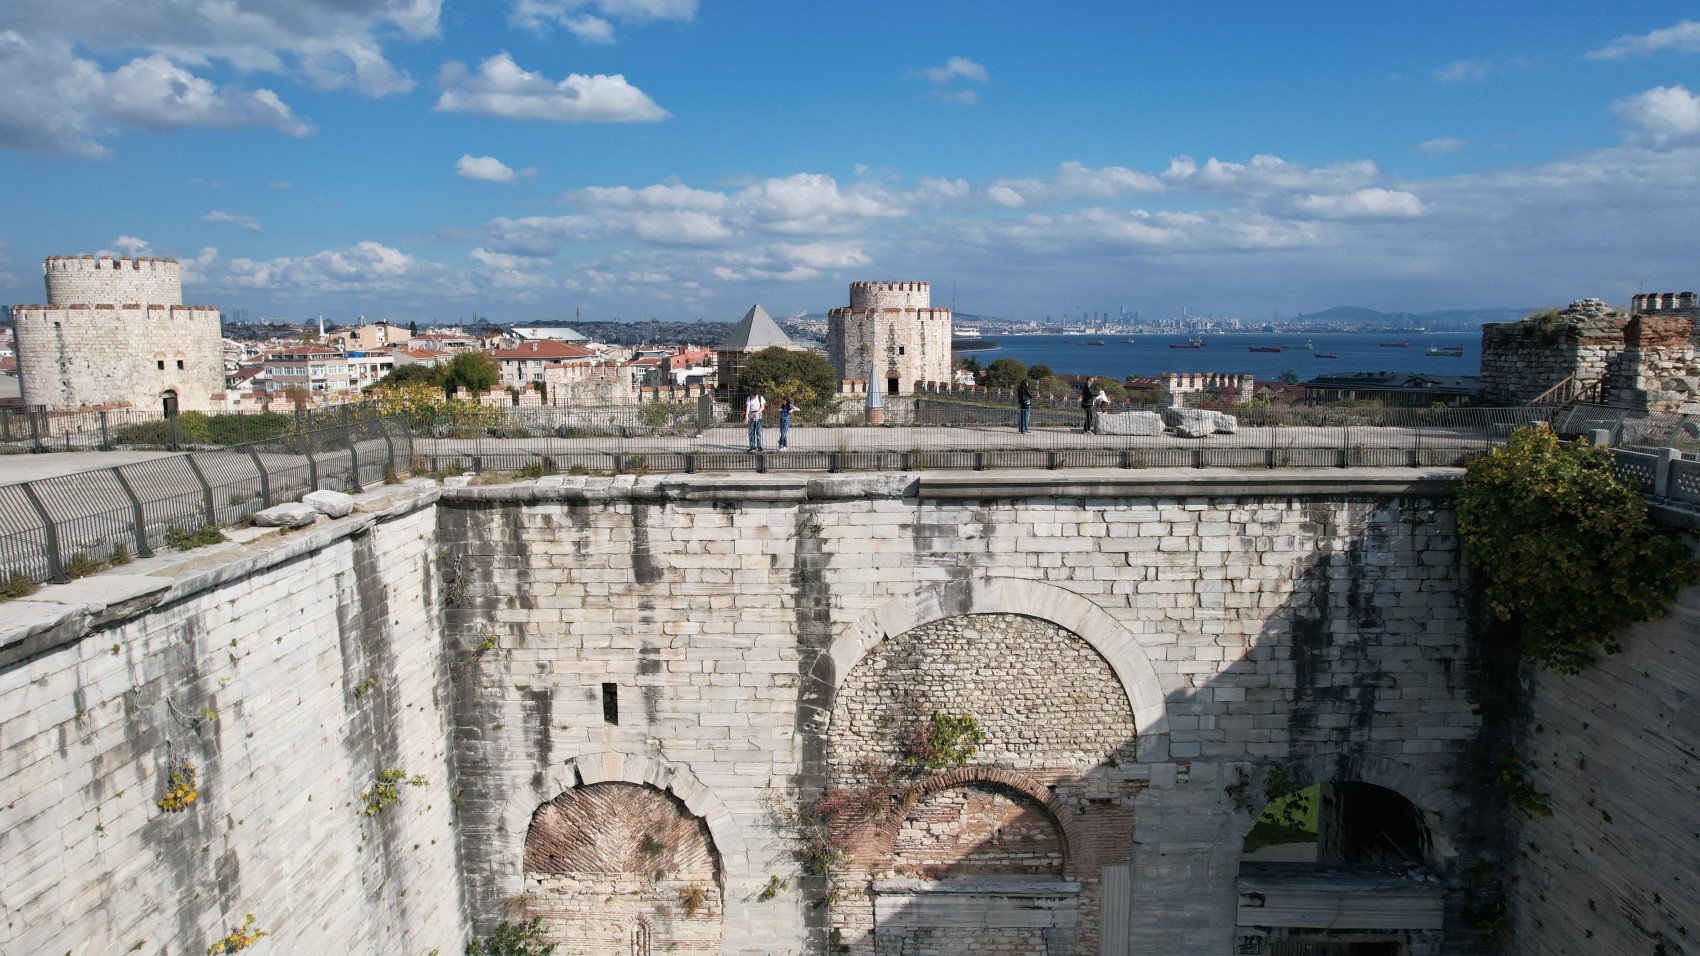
1189	344
1096	342
1266	348
1298	348
1395	345
1445	351
1326	355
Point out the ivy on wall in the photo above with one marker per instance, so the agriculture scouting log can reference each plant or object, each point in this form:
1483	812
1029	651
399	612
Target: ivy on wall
1566	547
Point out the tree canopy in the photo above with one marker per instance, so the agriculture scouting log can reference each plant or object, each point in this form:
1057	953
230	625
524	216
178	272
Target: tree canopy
1006	373
807	378
474	371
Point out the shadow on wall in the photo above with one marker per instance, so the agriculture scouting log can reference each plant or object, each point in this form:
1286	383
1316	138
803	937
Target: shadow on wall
1368	679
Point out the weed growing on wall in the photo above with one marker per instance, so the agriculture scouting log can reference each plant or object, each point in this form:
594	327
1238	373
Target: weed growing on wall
385	791
181	788
943	741
513	939
188	539
1515	785
238	939
1566	548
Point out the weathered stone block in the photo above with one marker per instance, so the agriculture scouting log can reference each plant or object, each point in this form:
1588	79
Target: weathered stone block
290	515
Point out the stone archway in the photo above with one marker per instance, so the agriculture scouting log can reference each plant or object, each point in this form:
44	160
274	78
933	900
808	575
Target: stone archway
612	866
999	595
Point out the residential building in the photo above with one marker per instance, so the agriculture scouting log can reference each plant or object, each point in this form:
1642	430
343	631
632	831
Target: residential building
526	363
367	366
375	336
312	369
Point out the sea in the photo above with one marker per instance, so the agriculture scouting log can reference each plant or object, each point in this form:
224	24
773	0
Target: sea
1149	354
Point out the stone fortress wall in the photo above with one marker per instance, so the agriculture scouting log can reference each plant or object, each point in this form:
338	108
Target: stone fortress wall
891	327
114	334
1644	361
621	694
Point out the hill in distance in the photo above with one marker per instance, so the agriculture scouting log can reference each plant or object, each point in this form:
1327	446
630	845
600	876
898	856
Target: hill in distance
1442	319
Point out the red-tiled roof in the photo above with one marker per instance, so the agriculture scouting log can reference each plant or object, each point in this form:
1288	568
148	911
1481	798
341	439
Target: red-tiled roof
547	349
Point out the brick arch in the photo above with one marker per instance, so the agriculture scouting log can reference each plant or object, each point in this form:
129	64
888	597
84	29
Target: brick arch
1439	810
995	595
516	815
1032	789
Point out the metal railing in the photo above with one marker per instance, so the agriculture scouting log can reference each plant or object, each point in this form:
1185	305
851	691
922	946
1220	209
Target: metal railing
34	429
940	432
56	528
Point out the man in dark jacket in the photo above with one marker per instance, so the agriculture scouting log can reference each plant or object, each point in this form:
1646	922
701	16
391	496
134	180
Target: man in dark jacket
1086	405
1024	399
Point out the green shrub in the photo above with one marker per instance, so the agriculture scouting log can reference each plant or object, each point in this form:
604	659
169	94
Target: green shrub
513	939
1564	543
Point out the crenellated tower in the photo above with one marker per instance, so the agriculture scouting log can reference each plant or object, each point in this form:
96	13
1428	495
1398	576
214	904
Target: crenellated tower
892	325
114	334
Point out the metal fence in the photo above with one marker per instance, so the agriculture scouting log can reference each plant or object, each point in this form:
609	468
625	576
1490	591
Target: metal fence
34	429
55	528
936	432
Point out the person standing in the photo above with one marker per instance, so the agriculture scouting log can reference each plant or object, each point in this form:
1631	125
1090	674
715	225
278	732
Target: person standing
1024	399
1086	405
754	407
786	408
1100	405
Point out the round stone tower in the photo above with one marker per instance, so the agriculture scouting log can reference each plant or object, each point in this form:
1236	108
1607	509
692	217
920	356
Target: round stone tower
891	325
115	334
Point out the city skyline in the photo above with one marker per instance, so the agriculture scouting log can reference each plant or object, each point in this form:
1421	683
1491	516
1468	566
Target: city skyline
682	160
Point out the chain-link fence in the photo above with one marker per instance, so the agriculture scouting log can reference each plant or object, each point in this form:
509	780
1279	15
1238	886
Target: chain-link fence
57	528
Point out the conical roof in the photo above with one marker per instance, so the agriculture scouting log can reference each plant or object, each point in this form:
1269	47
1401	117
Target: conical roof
754	332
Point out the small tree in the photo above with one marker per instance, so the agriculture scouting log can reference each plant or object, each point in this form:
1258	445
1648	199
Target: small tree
1039	373
403	376
969	363
1565	544
809	379
513	939
1006	373
412	328
1288	377
473	371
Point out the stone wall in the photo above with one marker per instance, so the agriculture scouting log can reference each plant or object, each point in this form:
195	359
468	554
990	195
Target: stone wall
290	673
115	333
890	326
1319	621
110	280
1657	371
1522	360
1612	868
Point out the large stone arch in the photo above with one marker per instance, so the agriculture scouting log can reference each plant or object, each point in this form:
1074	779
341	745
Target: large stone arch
962	777
998	595
729	839
1425	789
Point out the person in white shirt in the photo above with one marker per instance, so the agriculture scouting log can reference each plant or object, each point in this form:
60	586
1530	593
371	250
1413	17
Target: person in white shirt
1100	405
754	406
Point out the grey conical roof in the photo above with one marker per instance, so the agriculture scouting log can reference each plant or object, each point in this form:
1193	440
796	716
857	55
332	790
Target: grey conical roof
756	331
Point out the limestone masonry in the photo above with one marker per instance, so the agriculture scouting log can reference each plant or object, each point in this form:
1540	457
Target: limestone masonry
680	714
891	328
115	333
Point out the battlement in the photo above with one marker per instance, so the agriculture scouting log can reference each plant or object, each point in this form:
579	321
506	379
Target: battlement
1233	387
108	263
891	295
1684	303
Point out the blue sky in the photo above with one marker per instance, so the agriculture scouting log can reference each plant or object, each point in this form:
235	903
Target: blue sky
418	159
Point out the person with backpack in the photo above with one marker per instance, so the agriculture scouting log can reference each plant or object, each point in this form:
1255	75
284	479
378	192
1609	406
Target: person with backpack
754	407
1024	400
1086	405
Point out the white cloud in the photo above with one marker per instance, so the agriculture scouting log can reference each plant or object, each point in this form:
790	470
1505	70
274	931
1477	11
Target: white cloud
281	184
592	21
660	196
1683	37
959	97
957	66
246	222
1072	181
1371	203
500	260
132	246
1665	114
502	89
1459	71
59	102
489	169
1266	175
1439	145
365	267
332	45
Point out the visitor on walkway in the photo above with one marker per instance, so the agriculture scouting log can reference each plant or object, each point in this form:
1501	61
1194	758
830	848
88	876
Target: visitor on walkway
1100	405
786	407
1086	405
1024	398
754	407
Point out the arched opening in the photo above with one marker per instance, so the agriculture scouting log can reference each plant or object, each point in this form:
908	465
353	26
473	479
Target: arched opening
168	399
893	383
622	867
1340	868
979	830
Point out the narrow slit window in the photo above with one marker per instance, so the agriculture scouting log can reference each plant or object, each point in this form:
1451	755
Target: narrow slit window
611	704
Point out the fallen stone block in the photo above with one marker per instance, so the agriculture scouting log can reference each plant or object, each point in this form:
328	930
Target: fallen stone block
1190	422
1131	423
331	504
292	515
1226	424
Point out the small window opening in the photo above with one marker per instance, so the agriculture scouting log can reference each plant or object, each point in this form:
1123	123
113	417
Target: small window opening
180	364
611	704
162	365
900	350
